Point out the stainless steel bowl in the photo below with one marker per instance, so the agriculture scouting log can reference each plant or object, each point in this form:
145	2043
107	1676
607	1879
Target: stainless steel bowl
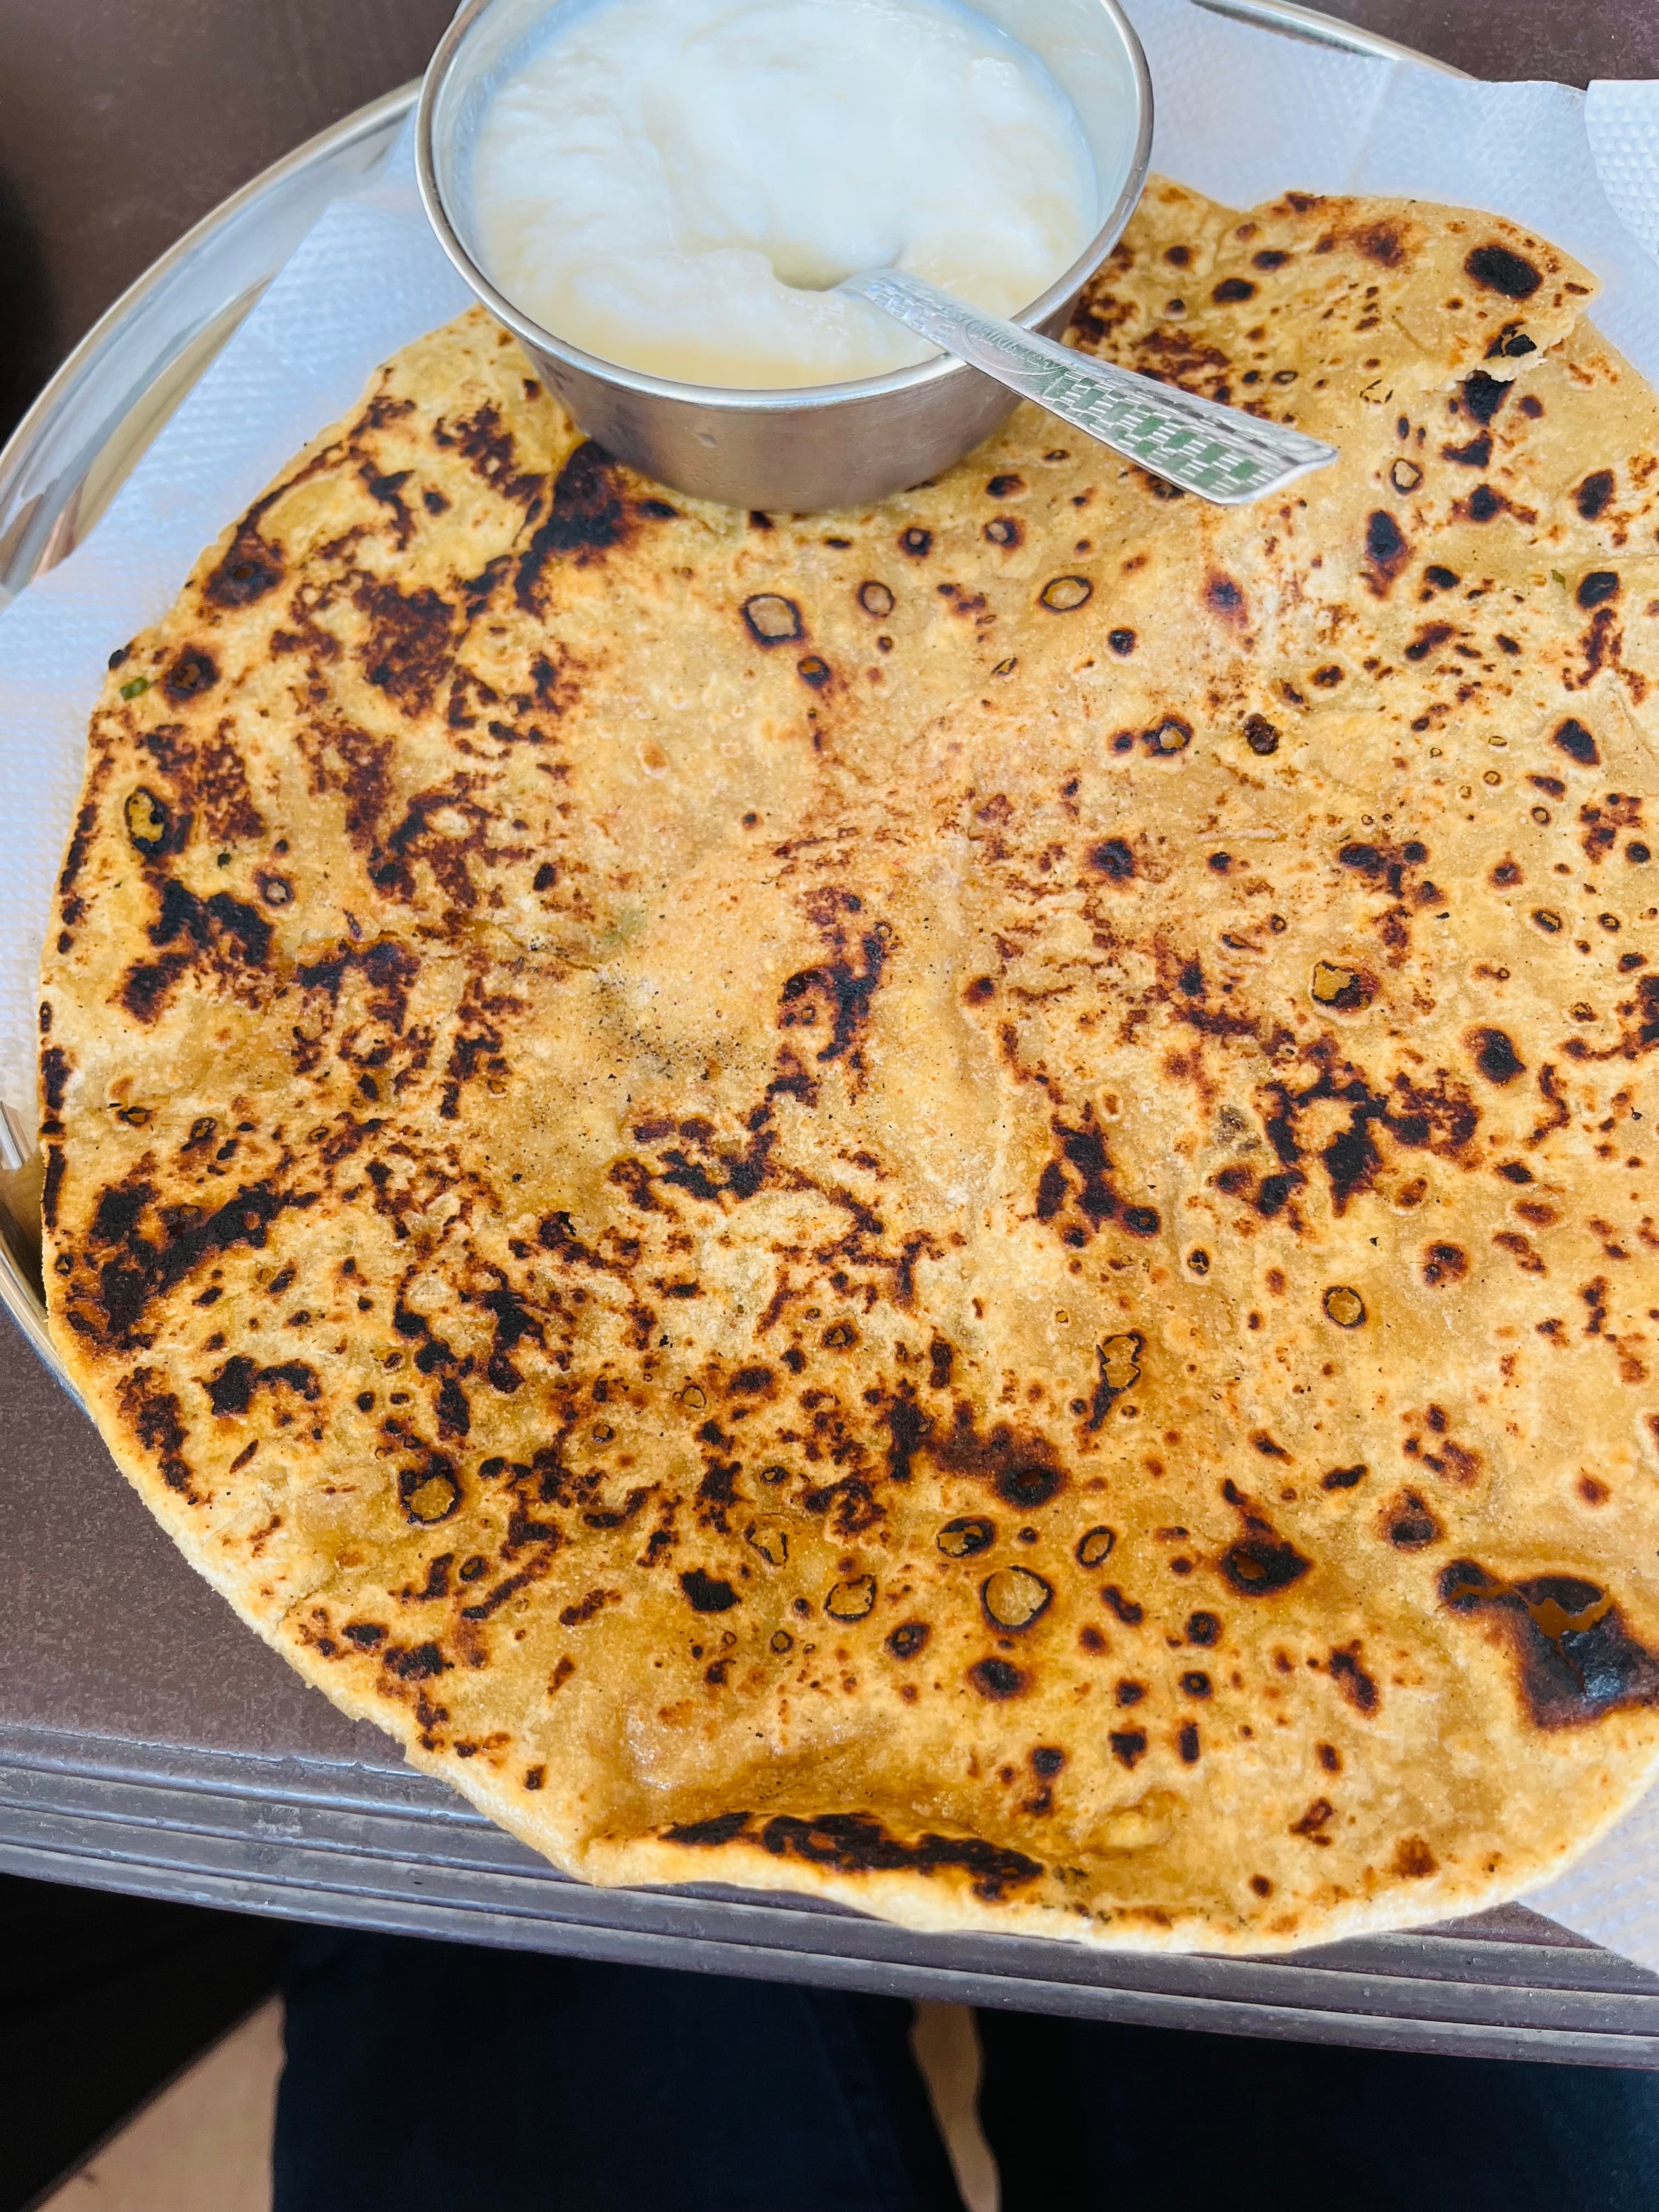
822	445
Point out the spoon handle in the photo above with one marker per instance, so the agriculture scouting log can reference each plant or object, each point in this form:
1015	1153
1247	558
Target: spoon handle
1216	452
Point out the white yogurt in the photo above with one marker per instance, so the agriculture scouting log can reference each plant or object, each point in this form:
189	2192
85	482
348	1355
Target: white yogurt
658	179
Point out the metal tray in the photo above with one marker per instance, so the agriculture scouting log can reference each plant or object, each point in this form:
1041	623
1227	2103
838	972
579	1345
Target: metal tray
163	1750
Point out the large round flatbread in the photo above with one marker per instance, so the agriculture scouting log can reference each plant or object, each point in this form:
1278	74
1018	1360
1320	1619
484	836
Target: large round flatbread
951	1204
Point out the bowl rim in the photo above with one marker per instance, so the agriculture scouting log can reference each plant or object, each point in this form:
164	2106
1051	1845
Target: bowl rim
772	400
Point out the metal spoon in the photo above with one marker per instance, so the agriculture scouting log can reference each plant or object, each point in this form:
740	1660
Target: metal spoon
1218	452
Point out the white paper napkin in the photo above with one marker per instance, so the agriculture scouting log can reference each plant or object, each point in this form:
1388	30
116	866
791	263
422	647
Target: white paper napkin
1243	114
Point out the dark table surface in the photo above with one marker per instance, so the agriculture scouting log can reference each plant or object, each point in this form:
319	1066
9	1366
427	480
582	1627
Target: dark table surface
121	122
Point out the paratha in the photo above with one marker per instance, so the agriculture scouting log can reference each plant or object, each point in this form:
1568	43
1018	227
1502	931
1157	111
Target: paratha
946	1204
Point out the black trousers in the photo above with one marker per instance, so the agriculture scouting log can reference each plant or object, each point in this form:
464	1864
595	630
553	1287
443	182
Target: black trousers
427	2077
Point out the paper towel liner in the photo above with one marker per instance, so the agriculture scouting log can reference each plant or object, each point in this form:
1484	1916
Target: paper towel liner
1243	114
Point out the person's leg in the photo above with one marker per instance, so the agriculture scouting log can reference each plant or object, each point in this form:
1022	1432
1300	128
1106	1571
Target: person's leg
427	2077
1084	2114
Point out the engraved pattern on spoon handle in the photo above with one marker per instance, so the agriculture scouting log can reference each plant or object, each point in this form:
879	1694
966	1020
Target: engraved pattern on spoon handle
1216	452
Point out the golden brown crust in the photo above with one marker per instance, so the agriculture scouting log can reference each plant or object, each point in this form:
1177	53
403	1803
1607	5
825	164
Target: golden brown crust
948	1204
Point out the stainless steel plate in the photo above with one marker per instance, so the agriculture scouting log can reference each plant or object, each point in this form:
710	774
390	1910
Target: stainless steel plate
277	1805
